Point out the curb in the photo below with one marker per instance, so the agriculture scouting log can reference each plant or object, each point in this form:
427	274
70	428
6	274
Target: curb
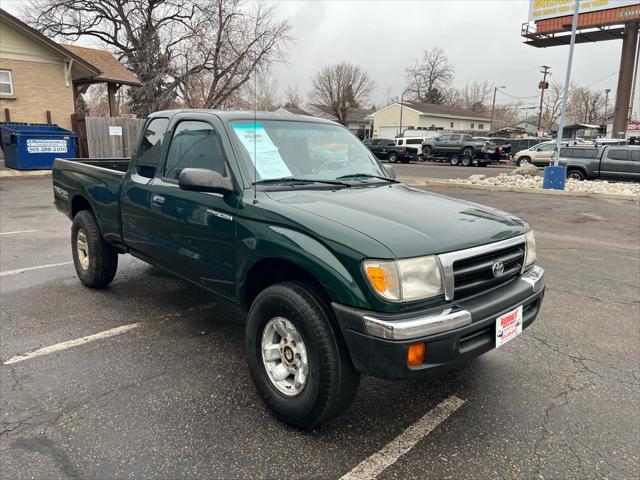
497	188
24	173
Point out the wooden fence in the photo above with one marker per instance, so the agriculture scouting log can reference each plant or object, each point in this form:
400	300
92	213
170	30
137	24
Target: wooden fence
106	137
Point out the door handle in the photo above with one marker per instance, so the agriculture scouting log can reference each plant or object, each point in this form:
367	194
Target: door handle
158	200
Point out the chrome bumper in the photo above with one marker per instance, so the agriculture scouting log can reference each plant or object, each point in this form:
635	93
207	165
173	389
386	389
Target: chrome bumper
448	319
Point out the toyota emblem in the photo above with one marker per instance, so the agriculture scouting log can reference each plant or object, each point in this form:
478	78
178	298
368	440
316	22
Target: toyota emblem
497	269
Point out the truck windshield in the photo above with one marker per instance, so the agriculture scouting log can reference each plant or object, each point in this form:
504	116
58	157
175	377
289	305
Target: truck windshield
276	149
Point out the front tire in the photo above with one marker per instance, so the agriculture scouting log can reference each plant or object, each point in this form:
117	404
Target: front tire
301	315
95	260
290	322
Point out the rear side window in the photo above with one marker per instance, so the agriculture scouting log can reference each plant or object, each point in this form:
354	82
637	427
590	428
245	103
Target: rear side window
195	144
635	155
414	141
579	152
618	154
151	147
455	138
468	138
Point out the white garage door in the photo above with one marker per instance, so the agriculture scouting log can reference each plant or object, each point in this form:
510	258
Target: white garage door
387	132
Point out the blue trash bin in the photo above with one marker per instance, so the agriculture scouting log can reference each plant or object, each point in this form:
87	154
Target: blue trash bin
554	177
32	146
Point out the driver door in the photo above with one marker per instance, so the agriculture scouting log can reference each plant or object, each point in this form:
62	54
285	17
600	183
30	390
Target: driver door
441	143
195	230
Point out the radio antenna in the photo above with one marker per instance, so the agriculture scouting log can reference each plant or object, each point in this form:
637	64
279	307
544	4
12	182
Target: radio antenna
255	132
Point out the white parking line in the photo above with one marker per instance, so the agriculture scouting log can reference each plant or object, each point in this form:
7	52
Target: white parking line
392	451
37	267
17	232
71	343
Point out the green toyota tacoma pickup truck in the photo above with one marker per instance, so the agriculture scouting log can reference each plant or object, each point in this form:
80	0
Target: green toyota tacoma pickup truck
342	270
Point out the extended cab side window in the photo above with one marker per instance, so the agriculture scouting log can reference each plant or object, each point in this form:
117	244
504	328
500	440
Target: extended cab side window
151	147
195	144
635	155
618	154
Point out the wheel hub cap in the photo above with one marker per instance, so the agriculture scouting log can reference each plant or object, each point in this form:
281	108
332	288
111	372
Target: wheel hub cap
284	356
82	247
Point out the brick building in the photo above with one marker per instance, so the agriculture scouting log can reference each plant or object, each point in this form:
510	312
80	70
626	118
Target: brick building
40	79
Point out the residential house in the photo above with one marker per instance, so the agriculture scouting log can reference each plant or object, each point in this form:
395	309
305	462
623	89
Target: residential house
293	111
529	125
358	119
420	115
40	79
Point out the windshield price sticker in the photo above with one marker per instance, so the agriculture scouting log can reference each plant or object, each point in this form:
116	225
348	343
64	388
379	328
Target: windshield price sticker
36	145
263	152
508	326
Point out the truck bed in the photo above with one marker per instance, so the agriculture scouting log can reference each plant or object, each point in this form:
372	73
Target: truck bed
96	181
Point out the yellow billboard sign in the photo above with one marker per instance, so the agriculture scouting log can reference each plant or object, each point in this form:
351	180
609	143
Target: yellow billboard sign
542	9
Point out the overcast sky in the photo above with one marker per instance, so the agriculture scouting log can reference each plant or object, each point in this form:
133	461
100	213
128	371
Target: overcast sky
481	38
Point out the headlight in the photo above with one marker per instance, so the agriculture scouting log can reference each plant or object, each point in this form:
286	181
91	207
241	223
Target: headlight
530	258
405	280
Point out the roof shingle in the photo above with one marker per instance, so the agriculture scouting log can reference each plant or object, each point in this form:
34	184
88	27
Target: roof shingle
111	70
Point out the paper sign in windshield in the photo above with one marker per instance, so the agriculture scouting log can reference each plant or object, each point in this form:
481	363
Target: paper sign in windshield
262	151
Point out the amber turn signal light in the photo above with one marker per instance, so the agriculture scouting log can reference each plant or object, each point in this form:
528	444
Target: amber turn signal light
415	354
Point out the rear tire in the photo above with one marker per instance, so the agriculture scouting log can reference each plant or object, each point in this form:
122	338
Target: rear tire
576	174
331	382
95	260
427	151
523	160
468	152
393	158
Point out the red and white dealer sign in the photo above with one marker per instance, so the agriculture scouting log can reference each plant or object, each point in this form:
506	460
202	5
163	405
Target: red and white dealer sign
508	326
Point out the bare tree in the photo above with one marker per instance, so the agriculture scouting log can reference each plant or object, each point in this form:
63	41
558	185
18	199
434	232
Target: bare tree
342	87
173	46
261	93
473	96
292	97
432	72
586	105
552	106
231	41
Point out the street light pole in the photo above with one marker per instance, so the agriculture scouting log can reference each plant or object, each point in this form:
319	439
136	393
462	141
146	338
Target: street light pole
565	93
493	104
401	100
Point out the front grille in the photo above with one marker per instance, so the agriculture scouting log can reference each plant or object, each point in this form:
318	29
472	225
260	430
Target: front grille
475	274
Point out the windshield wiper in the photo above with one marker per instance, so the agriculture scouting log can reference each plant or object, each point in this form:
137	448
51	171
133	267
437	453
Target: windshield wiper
367	175
299	181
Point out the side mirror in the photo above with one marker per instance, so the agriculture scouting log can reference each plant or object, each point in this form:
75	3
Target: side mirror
203	180
390	170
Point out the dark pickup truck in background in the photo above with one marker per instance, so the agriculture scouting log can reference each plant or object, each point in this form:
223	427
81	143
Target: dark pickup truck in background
617	162
392	150
342	269
457	143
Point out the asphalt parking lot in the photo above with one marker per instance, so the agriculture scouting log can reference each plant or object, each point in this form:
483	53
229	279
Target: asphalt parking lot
171	397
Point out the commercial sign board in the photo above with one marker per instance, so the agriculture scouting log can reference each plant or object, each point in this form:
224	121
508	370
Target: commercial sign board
543	9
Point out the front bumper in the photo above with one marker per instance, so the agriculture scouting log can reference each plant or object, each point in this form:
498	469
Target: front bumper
453	334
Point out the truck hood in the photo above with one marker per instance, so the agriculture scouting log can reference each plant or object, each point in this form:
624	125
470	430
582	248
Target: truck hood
408	221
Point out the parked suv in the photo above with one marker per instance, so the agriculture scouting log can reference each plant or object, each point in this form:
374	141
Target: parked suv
539	154
414	142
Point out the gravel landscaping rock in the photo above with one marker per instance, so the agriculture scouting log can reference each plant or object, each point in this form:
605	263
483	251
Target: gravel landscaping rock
535	183
526	169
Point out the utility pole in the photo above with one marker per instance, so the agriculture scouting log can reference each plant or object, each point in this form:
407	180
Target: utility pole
606	103
493	104
401	102
543	86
